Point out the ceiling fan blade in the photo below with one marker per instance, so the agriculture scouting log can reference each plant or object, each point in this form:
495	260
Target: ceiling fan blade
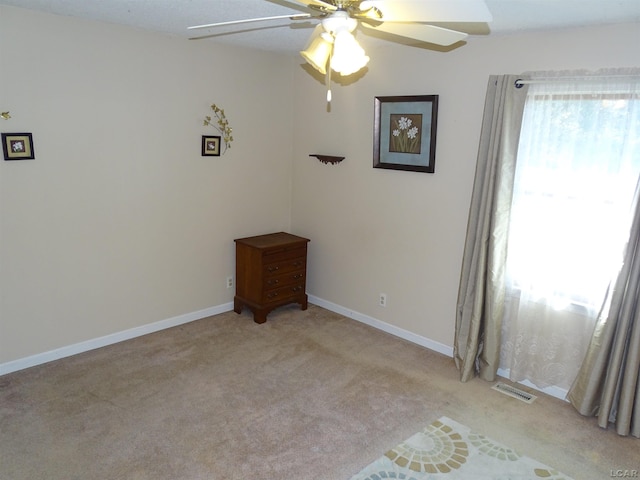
297	16
318	5
431	10
419	31
366	13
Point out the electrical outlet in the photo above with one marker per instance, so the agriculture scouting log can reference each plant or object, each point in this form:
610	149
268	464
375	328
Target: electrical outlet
229	282
383	300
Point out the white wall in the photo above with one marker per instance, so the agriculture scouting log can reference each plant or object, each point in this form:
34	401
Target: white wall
402	233
119	221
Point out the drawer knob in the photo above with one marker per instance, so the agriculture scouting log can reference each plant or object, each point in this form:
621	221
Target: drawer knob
273	295
273	282
273	269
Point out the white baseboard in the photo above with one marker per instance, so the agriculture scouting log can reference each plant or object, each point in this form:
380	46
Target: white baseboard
385	327
556	392
81	347
92	344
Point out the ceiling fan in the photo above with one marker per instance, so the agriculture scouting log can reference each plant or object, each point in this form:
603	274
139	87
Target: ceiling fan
333	46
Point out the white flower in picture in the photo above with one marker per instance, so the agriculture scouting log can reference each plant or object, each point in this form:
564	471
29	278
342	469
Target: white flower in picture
405	133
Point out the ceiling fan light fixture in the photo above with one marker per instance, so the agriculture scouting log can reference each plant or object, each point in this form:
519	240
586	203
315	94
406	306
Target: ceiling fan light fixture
318	51
348	56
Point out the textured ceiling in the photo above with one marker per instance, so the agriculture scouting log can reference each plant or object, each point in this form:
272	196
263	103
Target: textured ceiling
174	16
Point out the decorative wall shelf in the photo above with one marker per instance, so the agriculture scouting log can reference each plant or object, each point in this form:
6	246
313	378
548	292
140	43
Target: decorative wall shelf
327	158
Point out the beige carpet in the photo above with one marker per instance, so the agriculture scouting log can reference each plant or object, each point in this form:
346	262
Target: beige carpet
307	395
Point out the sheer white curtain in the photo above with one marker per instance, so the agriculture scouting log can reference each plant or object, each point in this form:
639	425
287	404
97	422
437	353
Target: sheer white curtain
577	167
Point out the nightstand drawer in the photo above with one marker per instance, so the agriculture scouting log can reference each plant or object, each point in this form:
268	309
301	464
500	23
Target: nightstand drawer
284	266
283	293
277	281
279	255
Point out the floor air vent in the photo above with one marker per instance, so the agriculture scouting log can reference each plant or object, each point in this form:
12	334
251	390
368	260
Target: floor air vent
514	392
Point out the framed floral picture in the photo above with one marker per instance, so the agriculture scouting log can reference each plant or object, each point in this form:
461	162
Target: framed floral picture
210	146
404	135
17	146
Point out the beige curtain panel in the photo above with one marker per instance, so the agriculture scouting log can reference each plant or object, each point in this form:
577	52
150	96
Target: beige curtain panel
608	384
481	293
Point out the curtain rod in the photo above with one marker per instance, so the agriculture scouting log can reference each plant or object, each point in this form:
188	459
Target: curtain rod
519	83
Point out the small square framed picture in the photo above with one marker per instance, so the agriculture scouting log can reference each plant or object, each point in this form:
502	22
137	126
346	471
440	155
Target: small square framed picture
210	146
17	146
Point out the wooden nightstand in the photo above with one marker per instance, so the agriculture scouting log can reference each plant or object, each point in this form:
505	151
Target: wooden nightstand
270	272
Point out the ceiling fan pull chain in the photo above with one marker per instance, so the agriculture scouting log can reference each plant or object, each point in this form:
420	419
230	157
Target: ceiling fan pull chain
329	80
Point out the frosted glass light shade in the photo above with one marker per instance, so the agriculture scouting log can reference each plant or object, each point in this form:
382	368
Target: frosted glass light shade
318	52
348	56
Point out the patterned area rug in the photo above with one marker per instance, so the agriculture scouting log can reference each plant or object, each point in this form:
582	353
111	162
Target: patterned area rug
449	450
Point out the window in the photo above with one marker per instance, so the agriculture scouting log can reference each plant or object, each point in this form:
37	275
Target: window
577	169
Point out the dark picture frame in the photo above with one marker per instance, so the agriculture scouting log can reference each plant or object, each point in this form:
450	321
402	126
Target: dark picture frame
211	145
404	135
18	146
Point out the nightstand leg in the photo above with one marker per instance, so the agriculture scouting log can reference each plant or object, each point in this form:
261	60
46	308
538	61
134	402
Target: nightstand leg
260	316
237	305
